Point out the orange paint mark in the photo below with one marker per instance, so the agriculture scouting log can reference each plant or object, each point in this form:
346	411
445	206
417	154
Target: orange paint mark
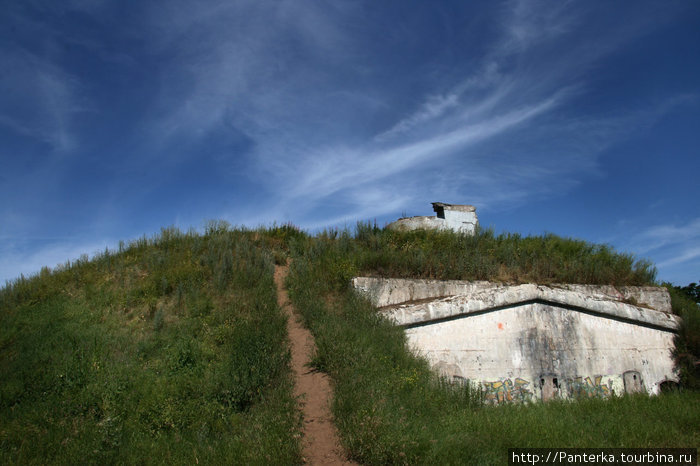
500	326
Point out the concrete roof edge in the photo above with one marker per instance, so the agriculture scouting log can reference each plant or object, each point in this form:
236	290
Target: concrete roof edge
508	296
386	292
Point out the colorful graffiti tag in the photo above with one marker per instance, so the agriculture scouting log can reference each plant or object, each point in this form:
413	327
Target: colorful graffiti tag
587	388
507	390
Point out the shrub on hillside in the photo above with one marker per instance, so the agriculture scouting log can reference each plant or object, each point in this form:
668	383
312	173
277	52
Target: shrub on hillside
687	341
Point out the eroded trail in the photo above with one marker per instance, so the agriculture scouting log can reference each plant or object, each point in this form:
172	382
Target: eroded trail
320	444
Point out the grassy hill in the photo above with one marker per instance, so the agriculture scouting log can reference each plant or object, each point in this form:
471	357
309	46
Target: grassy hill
173	350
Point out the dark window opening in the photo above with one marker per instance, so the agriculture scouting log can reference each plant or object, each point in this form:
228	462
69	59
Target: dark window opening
668	386
440	211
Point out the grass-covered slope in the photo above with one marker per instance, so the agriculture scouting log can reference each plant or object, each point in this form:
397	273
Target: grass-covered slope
172	350
507	257
390	408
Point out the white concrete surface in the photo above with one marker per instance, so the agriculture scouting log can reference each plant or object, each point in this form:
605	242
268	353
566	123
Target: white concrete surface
455	217
524	342
390	291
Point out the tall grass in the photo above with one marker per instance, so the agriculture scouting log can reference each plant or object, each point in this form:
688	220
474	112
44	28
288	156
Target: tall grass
687	341
172	350
507	257
390	407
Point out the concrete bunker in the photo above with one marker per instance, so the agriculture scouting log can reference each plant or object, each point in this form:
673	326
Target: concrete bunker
531	342
460	218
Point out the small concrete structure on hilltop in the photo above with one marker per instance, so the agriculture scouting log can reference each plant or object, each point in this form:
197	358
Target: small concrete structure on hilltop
456	217
529	342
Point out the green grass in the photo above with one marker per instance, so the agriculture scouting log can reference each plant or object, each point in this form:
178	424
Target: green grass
687	342
172	350
389	406
507	257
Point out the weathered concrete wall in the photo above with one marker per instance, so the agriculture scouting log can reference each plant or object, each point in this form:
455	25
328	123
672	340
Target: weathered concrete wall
459	218
417	223
534	340
530	342
390	291
493	299
653	297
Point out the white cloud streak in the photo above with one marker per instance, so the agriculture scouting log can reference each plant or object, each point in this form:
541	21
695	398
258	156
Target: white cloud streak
530	22
346	169
38	99
299	80
685	256
673	246
309	144
659	236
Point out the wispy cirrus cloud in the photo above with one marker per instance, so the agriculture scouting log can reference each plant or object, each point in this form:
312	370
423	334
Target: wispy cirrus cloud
301	84
686	255
659	236
343	169
673	247
244	63
490	83
531	22
39	99
322	113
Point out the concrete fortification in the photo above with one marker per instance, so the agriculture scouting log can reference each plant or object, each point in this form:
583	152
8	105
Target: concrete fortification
528	342
456	217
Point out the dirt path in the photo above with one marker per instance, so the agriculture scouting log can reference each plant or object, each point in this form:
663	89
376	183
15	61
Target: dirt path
311	388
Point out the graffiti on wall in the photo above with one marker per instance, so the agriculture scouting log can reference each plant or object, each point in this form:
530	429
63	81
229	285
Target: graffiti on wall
507	390
519	389
587	388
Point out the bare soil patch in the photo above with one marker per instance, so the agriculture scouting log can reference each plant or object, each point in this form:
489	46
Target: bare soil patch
321	444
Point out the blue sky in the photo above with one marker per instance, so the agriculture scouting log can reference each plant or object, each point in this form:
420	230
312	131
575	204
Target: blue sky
576	118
